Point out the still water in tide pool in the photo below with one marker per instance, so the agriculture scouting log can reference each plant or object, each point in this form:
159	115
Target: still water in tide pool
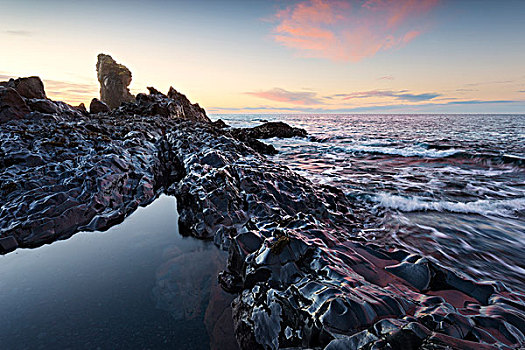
451	187
139	285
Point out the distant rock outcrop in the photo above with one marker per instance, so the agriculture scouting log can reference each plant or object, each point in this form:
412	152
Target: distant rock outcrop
114	80
272	129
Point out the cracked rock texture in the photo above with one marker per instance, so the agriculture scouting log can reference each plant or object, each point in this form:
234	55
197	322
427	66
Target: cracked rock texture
301	276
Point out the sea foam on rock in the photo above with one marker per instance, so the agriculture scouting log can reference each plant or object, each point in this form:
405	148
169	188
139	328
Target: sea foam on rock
301	275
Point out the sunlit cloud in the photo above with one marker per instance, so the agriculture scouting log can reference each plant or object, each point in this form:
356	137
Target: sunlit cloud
293	97
402	95
350	30
386	77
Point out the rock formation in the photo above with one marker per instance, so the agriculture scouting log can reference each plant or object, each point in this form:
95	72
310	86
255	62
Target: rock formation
114	80
97	106
12	105
274	129
301	275
30	87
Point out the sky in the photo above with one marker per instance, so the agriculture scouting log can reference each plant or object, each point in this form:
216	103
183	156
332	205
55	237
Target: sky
303	56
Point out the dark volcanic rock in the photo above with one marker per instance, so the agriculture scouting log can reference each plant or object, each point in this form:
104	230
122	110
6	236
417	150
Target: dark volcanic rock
12	105
8	244
219	123
82	109
273	129
42	106
97	106
302	277
114	80
265	131
31	87
188	110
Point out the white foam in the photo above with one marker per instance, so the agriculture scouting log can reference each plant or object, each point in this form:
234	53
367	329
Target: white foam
410	151
504	207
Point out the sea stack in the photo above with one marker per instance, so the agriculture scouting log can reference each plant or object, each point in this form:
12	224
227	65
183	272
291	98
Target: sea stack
114	79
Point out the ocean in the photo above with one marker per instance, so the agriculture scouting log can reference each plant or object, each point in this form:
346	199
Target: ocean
450	187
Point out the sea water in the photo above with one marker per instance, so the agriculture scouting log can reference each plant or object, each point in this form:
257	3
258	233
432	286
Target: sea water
451	187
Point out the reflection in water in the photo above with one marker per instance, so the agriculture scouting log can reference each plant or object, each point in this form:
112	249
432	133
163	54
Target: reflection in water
138	285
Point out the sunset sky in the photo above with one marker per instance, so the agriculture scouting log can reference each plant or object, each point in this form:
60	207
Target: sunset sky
315	56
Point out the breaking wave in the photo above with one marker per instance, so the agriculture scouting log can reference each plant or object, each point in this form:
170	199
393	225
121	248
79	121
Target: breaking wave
504	207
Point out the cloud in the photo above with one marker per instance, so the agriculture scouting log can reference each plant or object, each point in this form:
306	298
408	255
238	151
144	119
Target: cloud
521	91
466	90
402	95
491	82
350	30
18	32
386	77
398	108
294	97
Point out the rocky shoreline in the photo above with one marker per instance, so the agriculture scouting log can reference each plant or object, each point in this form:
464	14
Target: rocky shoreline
302	276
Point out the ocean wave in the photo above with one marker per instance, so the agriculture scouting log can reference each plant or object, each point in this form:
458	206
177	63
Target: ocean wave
496	158
411	151
503	207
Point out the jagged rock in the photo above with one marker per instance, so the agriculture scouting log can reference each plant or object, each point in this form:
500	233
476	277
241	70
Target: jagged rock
97	106
31	87
114	80
219	123
153	91
82	108
189	111
12	105
173	106
273	129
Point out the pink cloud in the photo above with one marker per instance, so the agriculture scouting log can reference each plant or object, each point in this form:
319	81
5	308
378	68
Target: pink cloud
293	97
350	30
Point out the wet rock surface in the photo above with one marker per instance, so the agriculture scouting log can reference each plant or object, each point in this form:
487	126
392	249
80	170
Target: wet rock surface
301	275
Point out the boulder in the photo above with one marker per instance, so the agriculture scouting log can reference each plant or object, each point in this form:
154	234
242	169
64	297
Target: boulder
97	106
268	130
31	87
276	129
12	105
114	79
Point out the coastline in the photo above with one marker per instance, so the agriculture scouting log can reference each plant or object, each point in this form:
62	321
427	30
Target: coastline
301	276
